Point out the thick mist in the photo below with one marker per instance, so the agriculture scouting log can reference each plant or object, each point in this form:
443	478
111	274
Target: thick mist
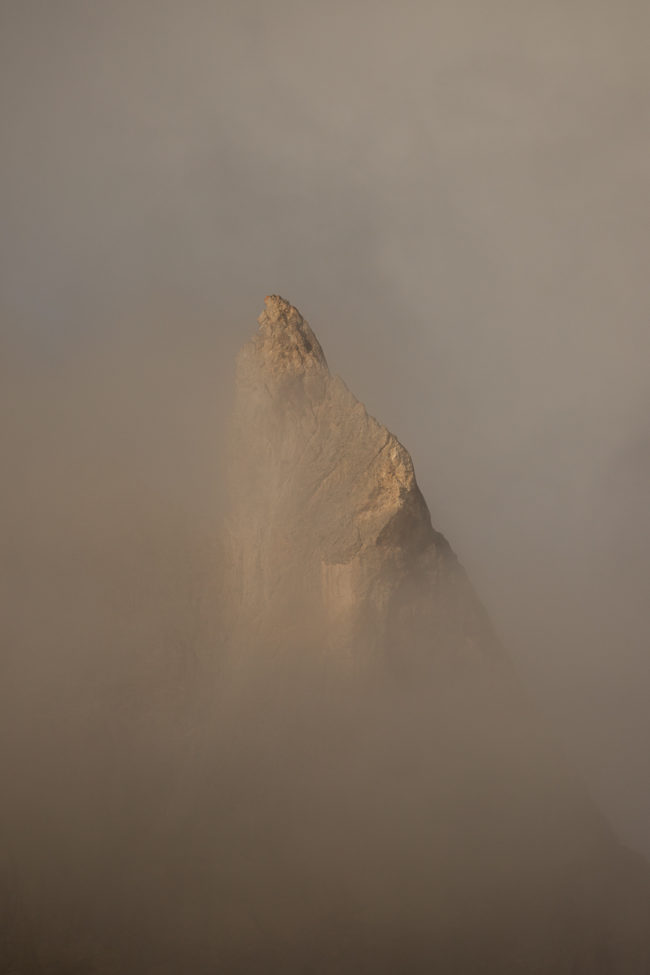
455	196
188	788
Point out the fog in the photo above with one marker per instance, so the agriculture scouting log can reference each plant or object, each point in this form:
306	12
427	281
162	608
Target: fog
455	196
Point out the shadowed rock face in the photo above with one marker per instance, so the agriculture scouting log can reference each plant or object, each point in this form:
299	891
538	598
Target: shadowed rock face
328	521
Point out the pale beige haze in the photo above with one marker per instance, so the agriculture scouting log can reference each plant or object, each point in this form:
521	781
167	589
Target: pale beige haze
455	192
281	736
258	715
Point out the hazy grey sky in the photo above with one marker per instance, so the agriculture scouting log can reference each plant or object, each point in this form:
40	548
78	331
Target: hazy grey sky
455	195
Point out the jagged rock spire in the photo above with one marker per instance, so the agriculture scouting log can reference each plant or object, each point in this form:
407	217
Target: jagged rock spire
327	512
336	572
285	339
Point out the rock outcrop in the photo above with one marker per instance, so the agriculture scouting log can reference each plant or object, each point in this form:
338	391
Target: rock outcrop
329	526
461	840
305	753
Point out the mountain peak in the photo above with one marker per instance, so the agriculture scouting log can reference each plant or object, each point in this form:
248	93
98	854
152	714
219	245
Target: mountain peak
327	509
285	342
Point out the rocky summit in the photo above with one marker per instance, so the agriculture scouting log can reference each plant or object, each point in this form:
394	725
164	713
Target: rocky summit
291	743
461	838
329	524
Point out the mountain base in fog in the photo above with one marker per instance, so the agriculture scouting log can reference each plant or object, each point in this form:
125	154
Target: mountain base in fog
299	749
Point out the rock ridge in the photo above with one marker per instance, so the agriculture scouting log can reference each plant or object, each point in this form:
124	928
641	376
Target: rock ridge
320	484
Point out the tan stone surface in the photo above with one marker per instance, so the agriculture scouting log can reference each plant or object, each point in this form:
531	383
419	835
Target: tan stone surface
328	520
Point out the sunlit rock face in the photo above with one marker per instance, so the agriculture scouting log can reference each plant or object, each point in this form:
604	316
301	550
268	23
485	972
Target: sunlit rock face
330	533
